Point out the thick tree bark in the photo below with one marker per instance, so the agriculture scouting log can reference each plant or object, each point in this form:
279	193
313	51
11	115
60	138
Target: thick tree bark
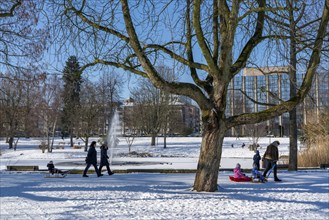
209	159
293	154
293	150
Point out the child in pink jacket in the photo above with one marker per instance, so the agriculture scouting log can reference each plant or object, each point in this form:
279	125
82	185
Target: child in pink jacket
238	173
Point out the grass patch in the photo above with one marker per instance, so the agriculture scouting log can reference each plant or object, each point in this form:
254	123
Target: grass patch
316	139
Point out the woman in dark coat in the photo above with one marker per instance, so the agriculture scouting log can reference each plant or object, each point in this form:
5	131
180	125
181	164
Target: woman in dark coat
104	160
91	159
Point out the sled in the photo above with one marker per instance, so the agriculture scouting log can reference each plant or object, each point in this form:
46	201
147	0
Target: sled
56	175
257	180
246	179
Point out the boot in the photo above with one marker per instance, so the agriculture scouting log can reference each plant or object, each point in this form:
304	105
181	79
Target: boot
84	175
111	173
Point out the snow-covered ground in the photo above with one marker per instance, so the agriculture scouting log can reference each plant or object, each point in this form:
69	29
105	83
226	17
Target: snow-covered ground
28	195
181	153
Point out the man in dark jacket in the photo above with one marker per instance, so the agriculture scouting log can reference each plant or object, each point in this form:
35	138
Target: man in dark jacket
271	156
91	159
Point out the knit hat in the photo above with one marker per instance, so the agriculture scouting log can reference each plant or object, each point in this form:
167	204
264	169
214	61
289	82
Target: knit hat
276	143
51	162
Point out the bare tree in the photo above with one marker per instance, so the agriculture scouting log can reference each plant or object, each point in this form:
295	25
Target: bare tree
23	39
223	33
109	86
152	105
149	113
11	98
49	107
297	27
90	109
18	97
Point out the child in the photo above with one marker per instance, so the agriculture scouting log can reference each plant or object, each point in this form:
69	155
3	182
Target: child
52	169
256	159
256	174
238	173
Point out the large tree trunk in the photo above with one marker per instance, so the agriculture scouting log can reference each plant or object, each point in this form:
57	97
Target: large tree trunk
86	144
10	142
293	146
71	139
209	159
153	139
50	147
293	152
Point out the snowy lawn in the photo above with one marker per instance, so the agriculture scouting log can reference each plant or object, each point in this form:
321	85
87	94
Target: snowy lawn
181	153
301	195
28	195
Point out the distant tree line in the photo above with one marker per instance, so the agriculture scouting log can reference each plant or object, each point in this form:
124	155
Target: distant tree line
46	105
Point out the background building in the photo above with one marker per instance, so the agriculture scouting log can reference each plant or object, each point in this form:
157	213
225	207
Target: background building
182	118
271	86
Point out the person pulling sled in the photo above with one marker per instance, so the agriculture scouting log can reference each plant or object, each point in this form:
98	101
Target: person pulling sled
270	157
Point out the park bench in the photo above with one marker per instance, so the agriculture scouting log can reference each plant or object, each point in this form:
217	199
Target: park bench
22	168
60	145
77	146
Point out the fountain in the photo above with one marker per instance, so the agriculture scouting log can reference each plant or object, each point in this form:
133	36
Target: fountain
112	140
113	133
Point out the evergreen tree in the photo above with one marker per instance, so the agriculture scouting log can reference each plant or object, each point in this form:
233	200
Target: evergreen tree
71	95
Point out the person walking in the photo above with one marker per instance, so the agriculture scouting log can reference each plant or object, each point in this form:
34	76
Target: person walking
271	156
91	159
256	159
104	160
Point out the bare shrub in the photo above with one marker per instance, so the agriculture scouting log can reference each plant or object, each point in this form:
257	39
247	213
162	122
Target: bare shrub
316	139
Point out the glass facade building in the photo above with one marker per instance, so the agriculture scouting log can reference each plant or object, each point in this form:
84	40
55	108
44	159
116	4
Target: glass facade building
251	90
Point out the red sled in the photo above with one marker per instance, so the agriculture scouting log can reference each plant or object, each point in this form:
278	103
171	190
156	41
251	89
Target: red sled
245	179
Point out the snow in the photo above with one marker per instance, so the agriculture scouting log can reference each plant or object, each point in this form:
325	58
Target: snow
303	194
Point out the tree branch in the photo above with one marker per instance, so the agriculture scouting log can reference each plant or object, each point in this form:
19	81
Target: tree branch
11	10
186	89
200	37
94	25
252	42
251	118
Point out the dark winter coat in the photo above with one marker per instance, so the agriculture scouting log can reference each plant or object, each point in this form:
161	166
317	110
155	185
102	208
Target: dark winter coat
51	167
104	157
92	155
272	152
257	158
